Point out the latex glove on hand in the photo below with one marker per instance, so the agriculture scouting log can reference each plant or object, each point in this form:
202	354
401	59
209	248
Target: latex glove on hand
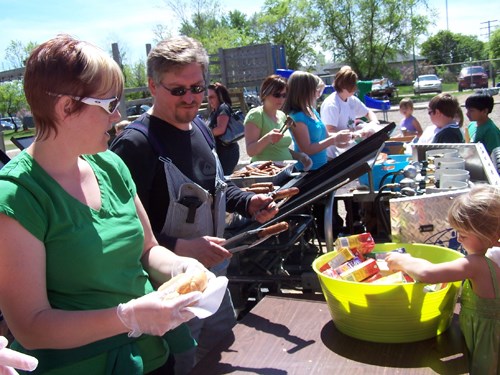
305	160
190	266
10	360
155	313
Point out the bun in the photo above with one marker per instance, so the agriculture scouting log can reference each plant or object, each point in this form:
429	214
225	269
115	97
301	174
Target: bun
185	283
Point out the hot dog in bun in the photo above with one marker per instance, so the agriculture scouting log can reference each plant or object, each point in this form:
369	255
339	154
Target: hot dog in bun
185	283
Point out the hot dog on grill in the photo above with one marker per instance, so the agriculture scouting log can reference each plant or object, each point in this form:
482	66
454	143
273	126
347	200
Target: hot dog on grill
268	185
284	193
273	229
258	189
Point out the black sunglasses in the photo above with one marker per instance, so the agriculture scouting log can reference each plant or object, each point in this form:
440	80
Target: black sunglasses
278	95
181	91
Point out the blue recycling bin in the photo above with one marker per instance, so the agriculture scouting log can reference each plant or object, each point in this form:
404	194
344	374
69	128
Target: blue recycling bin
285	73
383	105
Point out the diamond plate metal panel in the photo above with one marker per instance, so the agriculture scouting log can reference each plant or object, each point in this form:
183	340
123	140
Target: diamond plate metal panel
423	219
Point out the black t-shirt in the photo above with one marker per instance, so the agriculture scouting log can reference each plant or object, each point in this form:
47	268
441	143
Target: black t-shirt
224	109
191	154
451	134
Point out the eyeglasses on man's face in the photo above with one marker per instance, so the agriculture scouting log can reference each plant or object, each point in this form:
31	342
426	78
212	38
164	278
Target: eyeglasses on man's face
181	91
109	105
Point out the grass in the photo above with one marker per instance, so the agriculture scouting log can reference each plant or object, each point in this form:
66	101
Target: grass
8	134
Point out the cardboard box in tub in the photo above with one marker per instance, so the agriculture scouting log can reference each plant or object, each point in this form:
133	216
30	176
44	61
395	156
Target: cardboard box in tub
277	179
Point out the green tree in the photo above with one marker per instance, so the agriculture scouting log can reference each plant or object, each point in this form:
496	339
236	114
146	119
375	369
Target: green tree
207	22
293	24
12	99
493	48
135	77
16	53
448	48
365	34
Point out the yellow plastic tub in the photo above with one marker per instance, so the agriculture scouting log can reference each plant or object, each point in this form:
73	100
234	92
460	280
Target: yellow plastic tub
391	313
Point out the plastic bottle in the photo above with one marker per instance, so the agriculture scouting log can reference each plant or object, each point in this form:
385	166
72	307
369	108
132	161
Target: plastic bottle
363	242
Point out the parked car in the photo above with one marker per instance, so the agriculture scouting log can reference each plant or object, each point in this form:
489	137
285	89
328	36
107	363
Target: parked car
252	99
137	110
471	77
11	121
6	125
427	83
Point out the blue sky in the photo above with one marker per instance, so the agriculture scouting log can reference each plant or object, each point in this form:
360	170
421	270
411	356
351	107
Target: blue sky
130	22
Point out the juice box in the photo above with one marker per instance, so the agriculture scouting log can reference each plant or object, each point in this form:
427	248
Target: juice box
361	271
394	278
348	265
340	256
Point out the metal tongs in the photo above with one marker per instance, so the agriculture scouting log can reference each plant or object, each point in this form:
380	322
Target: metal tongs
253	237
289	123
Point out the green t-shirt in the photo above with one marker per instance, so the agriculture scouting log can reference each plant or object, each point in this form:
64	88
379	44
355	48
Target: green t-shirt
488	134
92	257
278	151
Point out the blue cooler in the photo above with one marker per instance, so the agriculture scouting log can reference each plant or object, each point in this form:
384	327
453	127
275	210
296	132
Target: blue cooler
393	163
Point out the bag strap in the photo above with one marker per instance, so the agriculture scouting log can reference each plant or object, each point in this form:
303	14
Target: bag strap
209	137
144	129
158	147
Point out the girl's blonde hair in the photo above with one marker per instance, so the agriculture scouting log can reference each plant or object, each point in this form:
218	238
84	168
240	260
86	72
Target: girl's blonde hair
478	212
406	103
301	92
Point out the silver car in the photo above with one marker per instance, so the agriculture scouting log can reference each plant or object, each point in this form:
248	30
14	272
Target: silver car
6	125
427	83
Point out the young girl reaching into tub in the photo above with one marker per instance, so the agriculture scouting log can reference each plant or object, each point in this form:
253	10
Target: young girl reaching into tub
476	218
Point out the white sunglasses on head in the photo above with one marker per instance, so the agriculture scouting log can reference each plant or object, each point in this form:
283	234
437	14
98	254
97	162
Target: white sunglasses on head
109	105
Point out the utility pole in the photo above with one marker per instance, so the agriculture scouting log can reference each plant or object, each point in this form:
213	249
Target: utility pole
413	45
489	23
447	28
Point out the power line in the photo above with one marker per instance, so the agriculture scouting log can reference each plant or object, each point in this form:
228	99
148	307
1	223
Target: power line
488	34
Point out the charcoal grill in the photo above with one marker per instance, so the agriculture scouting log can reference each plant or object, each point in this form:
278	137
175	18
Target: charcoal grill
286	260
